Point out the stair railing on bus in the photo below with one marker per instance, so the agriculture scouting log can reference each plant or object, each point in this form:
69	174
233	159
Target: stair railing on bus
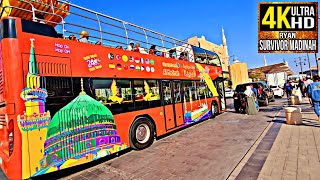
32	8
53	14
14	7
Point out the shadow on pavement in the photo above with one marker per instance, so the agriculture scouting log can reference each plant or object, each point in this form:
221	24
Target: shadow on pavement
72	170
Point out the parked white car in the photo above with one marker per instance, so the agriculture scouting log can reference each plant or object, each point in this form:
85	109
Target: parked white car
277	91
229	93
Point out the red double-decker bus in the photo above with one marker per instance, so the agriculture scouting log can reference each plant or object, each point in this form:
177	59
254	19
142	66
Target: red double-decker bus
67	99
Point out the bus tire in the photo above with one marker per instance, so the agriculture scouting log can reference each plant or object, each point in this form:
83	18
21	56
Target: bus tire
141	133
214	109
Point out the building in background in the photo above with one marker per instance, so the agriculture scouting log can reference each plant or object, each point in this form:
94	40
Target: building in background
238	73
274	74
313	69
221	50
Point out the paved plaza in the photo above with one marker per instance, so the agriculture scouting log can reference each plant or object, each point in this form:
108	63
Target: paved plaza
231	146
286	151
208	150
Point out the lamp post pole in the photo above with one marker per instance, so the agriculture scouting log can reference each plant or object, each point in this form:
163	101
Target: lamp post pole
315	55
300	62
309	65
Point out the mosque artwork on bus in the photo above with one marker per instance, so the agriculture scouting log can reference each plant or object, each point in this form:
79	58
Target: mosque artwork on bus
82	131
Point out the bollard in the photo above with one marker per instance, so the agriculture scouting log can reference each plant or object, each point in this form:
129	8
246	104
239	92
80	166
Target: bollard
294	100
293	115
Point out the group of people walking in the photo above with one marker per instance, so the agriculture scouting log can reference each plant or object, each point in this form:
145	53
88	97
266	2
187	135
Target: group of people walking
308	88
302	86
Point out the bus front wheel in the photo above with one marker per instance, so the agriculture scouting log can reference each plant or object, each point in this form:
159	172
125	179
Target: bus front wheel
141	133
214	109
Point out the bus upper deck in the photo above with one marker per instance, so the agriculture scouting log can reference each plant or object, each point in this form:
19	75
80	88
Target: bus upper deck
75	101
100	29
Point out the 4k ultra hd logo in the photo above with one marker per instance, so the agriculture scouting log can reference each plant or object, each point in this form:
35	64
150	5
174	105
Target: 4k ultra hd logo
288	27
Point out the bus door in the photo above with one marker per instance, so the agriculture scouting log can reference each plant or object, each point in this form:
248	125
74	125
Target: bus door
171	95
168	105
219	83
178	105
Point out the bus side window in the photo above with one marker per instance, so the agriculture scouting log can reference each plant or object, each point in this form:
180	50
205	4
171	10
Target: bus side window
177	92
213	60
201	90
60	92
116	95
187	90
208	92
166	88
152	97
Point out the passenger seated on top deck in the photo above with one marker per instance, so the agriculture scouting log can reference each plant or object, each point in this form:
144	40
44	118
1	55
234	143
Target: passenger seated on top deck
154	51
139	49
72	37
84	37
39	18
119	47
130	46
163	52
172	53
183	56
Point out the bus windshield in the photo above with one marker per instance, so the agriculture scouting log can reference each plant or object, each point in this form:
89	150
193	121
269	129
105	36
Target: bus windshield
203	56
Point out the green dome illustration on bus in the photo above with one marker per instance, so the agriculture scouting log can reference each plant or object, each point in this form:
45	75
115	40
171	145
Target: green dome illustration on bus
82	128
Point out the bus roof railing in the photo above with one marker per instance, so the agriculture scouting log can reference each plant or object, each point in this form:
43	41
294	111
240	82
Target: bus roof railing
117	32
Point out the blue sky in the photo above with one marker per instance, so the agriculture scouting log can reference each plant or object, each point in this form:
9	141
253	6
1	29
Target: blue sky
183	19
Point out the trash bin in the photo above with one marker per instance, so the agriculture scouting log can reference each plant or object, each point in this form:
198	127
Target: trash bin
294	100
293	115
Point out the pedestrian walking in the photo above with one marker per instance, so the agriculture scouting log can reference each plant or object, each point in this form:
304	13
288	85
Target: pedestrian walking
256	94
251	108
288	89
314	93
302	87
306	83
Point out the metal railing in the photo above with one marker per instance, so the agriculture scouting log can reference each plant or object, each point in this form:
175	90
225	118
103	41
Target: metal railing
114	32
33	13
109	31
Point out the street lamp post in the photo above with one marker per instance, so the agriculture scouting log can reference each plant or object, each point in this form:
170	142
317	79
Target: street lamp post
315	55
300	62
309	65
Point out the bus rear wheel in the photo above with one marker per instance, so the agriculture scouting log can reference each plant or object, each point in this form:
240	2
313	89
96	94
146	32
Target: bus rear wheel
141	133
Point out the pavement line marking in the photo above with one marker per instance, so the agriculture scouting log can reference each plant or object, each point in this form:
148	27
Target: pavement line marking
237	169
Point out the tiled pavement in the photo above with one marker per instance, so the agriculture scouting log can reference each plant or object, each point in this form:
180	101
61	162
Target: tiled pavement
209	150
294	154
